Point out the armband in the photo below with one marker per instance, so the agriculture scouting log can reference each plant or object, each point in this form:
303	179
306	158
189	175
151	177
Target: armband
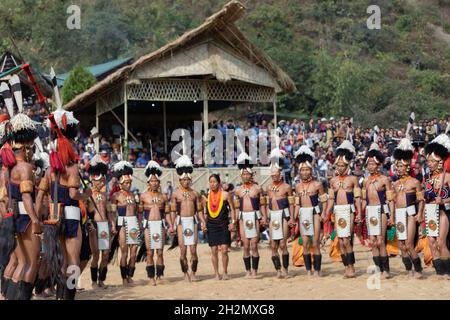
363	194
167	208
323	197
173	207
140	208
297	200
420	196
26	186
43	185
390	195
331	194
73	182
291	200
3	194
237	203
357	192
113	207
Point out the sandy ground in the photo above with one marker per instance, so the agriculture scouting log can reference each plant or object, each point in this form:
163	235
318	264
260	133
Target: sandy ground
299	286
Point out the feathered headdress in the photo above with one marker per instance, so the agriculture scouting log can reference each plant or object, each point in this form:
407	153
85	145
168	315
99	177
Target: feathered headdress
40	157
345	152
20	129
97	168
123	170
375	154
304	156
439	148
244	161
404	151
183	164
277	157
64	124
153	169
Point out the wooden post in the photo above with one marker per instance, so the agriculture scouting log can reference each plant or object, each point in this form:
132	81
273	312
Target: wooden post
165	126
97	125
125	107
205	124
275	118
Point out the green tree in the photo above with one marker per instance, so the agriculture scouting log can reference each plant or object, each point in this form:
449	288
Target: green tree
78	81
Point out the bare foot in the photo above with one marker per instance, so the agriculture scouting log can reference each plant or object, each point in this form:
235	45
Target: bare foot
386	275
94	285
225	277
248	274
217	277
125	282
130	280
309	273
193	277
187	278
152	282
254	274
279	274
411	274
317	274
418	275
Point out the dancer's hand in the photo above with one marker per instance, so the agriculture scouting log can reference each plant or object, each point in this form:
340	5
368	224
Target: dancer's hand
438	200
419	218
36	227
231	227
204	229
264	222
291	222
391	221
358	218
171	230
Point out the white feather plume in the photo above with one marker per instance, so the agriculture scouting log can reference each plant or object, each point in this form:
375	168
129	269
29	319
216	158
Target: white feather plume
58	118
121	165
17	93
347	145
243	156
443	140
405	144
304	150
22	122
183	161
277	153
58	100
152	164
96	160
374	146
2	129
7	97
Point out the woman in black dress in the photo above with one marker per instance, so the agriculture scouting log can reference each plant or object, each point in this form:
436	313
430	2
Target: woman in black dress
219	207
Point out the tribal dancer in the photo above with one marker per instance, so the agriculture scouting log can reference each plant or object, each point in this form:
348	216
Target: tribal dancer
248	202
99	221
129	226
186	206
20	132
62	234
309	193
437	207
155	207
345	199
219	208
281	212
378	202
408	207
